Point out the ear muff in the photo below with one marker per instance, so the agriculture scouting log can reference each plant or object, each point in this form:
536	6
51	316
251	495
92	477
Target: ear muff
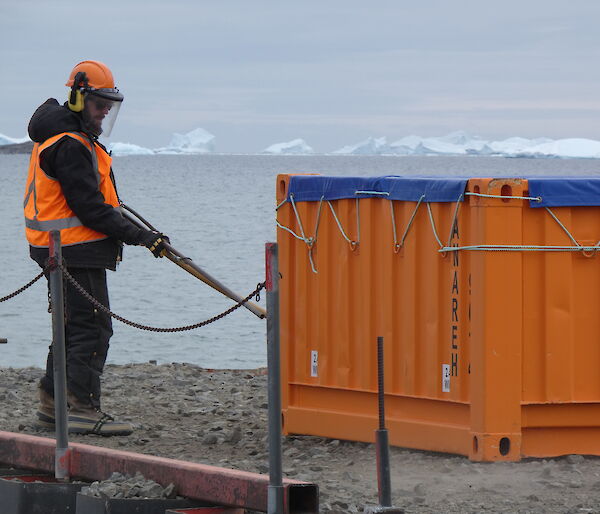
75	101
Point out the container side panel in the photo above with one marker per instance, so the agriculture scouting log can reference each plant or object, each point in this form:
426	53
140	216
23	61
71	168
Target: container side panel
534	328
561	297
406	317
557	304
553	442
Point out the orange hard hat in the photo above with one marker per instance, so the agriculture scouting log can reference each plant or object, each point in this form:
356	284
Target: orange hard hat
93	80
98	75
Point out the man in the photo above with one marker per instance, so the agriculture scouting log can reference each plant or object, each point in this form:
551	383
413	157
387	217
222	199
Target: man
71	188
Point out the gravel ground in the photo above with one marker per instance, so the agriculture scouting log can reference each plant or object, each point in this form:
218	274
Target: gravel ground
219	417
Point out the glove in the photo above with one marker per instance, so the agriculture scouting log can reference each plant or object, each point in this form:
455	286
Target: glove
155	242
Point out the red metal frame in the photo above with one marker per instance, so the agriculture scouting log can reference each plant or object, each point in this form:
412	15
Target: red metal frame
207	510
197	481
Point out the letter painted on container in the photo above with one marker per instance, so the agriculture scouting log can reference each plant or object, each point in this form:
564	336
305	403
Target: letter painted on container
455	304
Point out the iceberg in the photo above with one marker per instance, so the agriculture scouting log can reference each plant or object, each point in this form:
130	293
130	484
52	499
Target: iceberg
484	150
455	143
462	143
399	149
119	149
459	137
294	147
432	146
370	146
410	142
6	140
514	145
573	147
198	141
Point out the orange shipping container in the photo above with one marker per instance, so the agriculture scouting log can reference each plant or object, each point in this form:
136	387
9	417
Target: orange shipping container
487	295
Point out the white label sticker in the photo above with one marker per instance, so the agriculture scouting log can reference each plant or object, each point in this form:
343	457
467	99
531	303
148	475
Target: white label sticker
445	378
314	363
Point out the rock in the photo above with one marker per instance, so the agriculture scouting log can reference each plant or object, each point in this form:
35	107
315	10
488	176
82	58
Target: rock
575	459
210	439
169	491
235	436
420	490
124	486
151	491
343	506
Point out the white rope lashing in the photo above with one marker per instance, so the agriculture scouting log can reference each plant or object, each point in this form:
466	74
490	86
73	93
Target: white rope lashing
454	219
353	244
521	248
310	241
398	246
437	238
563	227
482	195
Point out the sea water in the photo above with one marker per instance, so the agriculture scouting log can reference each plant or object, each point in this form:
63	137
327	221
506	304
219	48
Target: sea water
217	209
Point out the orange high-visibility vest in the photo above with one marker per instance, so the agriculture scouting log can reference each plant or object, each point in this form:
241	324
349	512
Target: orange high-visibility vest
45	206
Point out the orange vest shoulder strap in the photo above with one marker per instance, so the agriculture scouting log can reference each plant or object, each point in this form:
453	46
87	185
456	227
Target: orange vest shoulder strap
50	141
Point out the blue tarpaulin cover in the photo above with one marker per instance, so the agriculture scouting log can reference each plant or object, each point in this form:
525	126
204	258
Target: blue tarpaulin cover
565	191
554	191
311	188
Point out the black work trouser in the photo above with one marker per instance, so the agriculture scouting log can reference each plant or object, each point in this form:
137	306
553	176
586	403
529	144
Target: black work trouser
87	334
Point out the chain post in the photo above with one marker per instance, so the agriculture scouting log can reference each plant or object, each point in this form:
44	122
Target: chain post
275	496
62	455
381	436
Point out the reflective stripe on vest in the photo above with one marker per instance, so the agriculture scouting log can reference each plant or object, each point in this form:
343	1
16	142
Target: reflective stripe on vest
60	224
45	206
47	226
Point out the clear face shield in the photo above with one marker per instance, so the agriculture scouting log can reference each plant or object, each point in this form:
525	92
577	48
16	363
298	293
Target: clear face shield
101	110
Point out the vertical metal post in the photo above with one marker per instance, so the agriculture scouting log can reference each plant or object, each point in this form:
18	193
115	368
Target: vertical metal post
275	497
382	442
61	461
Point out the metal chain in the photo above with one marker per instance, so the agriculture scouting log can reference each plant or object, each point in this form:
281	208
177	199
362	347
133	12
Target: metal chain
98	305
21	289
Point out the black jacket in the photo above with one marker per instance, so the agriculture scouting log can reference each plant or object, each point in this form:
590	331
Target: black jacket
70	163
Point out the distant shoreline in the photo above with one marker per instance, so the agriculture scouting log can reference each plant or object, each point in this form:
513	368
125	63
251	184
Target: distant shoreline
17	148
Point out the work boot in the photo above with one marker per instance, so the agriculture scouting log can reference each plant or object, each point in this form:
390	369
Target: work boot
45	412
85	419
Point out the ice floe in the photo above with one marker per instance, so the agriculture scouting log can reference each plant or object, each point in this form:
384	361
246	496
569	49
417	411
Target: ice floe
294	147
6	140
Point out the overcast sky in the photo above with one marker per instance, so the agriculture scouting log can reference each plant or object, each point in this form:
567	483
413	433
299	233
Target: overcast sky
331	72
